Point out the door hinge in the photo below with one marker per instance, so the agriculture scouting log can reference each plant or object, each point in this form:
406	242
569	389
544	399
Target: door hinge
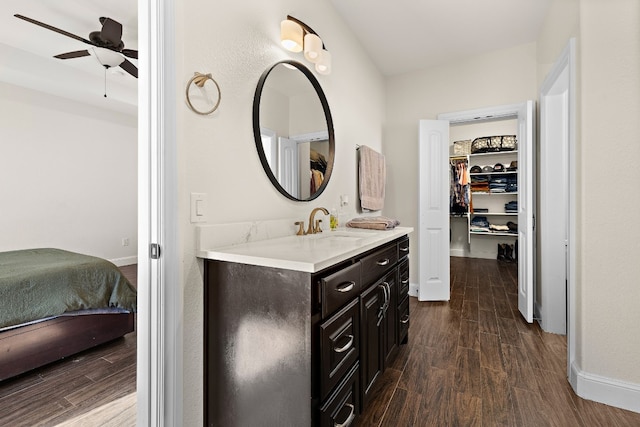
154	251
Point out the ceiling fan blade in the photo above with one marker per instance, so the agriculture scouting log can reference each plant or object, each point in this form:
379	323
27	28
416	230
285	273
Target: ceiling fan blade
71	55
57	30
111	31
130	53
129	68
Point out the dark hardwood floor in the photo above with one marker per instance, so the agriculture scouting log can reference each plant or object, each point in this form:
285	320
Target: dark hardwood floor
63	390
474	362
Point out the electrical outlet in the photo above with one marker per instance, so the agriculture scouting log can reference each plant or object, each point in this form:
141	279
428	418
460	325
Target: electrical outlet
125	241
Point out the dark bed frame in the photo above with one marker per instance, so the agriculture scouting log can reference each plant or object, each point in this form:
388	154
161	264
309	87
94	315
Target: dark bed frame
28	347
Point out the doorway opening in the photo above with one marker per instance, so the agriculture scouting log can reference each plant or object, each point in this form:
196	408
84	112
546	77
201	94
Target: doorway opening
557	234
434	245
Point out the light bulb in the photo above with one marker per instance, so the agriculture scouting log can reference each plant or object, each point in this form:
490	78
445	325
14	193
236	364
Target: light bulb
291	35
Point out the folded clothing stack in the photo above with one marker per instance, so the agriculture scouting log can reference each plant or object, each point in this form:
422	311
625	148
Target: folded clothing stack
373	223
511	207
479	224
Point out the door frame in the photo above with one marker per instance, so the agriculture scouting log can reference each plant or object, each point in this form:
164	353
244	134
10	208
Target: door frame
524	113
565	65
159	335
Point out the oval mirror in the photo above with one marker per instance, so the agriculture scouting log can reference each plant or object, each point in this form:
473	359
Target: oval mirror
293	130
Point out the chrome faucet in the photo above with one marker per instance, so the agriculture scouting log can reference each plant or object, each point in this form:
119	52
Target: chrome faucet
314	227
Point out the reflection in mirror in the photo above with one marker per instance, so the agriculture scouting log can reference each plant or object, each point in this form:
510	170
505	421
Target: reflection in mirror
293	130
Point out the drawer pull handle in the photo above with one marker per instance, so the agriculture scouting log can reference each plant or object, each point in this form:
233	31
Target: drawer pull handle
406	249
405	320
383	262
345	287
404	282
345	347
349	419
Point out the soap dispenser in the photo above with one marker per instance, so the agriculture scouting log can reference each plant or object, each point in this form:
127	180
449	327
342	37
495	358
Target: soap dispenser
333	219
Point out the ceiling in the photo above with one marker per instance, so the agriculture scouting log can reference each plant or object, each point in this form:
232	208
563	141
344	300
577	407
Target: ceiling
400	36
406	35
27	50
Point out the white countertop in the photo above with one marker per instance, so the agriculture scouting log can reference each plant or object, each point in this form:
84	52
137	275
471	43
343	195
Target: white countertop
310	253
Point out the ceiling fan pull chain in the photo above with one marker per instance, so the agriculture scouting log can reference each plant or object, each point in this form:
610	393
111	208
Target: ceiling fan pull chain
105	82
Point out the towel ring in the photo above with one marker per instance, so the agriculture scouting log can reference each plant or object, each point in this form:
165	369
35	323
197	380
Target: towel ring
200	79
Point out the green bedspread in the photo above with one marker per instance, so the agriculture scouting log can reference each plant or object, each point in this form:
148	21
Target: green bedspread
39	283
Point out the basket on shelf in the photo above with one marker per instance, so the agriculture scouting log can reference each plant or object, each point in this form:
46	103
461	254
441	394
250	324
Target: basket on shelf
462	148
488	144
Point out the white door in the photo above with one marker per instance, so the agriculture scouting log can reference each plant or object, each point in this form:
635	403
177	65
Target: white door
433	245
526	209
288	174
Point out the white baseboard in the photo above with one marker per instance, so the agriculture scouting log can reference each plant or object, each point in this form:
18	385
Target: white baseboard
605	390
537	314
413	289
125	261
460	253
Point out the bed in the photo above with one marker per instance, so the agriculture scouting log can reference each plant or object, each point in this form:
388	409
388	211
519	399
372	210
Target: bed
55	303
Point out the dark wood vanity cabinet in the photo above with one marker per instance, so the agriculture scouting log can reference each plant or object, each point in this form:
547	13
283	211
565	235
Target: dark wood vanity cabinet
384	310
285	347
403	291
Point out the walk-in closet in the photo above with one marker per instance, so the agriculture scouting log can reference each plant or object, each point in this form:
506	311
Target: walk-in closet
483	160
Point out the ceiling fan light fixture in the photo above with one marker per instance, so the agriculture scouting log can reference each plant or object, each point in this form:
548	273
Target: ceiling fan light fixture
106	57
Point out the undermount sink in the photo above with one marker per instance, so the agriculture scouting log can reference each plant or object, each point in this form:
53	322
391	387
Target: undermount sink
340	236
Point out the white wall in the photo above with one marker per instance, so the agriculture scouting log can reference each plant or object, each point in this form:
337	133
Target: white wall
236	42
68	176
608	261
501	77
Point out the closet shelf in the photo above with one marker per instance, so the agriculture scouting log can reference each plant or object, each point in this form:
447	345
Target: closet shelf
495	213
492	233
494	153
494	173
487	193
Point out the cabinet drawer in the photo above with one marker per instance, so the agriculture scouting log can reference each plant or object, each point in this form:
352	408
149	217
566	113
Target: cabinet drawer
341	409
375	265
403	279
340	288
339	346
403	247
403	320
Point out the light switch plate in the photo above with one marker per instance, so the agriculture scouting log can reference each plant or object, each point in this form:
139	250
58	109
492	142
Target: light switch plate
198	207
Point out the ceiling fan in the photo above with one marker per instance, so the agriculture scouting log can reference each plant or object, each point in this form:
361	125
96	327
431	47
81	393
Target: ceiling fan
106	45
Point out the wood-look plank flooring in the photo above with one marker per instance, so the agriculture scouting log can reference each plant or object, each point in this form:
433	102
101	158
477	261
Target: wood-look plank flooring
67	389
473	361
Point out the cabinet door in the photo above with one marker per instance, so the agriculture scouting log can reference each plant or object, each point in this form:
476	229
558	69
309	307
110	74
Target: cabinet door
371	358
390	330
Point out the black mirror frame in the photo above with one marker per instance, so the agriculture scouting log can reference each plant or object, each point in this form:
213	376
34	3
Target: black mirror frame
258	138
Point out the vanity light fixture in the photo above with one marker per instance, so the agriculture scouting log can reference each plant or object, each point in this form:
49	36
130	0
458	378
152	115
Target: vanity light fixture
296	36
